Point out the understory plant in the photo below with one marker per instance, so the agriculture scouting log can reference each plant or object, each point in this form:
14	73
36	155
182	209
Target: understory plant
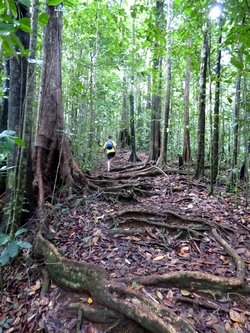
11	247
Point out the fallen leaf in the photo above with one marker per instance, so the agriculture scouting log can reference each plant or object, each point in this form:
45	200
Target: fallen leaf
236	316
159	258
95	240
16	321
185	292
159	295
219	328
44	301
10	330
36	286
227	327
170	295
89	300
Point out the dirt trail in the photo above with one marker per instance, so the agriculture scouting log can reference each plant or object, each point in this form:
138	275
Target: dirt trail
164	238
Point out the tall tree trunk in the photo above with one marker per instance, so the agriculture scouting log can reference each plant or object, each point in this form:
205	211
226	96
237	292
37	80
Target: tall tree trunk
133	157
246	136
216	122
124	136
164	140
155	128
140	122
24	190
17	91
92	117
52	159
200	160
234	172
186	151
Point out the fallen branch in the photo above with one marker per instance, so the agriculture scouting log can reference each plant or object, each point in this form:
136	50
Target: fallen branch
202	303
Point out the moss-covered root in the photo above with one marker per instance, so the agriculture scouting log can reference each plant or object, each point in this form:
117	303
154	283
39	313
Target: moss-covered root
78	277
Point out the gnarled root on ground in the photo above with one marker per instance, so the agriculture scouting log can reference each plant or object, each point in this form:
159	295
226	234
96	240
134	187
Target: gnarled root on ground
119	300
93	279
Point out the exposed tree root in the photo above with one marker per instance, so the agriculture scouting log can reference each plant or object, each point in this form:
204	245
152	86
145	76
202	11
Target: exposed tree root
240	264
151	171
124	190
194	281
163	219
120	300
86	277
95	315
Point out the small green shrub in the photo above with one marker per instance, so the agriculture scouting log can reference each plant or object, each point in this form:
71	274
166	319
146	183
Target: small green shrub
12	246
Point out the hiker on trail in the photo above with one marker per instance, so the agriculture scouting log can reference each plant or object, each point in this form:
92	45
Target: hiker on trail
110	150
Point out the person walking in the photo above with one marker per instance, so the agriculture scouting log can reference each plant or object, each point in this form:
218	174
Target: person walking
110	150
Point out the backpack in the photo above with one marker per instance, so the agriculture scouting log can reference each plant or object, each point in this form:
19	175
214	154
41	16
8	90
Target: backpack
109	144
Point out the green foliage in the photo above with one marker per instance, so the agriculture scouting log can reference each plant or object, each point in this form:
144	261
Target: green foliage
43	19
12	246
54	2
7	141
10	24
4	324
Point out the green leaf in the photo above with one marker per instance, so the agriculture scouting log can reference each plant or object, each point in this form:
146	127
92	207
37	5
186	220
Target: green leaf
12	249
86	239
7	133
13	7
25	25
54	2
6	26
9	47
16	41
19	142
9	144
20	231
24	245
4	257
26	3
4	238
236	63
185	292
43	19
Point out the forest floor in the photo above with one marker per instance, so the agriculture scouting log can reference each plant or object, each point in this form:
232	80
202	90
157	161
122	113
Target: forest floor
163	223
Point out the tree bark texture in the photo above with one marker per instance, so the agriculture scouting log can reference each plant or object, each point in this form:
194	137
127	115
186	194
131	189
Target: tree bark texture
200	161
155	128
16	114
236	125
133	156
186	151
215	142
164	139
53	162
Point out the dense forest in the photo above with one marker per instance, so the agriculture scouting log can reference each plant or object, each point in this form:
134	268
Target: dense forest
169	81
